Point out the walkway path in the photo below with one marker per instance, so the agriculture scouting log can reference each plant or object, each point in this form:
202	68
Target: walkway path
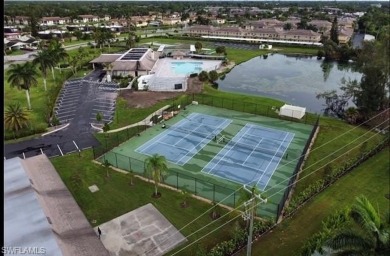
146	121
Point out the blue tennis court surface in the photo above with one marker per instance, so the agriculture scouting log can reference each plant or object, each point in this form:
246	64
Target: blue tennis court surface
251	156
181	141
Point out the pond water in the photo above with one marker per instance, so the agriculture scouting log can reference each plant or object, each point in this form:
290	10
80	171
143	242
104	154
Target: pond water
296	80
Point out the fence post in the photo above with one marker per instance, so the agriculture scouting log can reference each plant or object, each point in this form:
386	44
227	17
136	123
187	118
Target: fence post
129	163
116	160
177	180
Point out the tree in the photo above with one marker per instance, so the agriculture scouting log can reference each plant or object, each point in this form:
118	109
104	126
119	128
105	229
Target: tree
99	116
78	34
44	59
334	31
15	118
287	26
107	165
213	75
185	196
369	235
198	46
130	40
106	127
156	167
203	76
23	76
220	49
57	52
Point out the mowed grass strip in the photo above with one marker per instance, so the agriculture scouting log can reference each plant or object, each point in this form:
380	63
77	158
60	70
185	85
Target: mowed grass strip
116	197
370	179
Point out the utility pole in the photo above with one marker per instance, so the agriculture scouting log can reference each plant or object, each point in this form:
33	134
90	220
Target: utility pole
252	202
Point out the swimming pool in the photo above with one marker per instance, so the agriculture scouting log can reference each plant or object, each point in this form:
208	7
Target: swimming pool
186	68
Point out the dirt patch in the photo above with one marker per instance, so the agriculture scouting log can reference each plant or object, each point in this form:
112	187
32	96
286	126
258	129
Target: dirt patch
143	99
194	85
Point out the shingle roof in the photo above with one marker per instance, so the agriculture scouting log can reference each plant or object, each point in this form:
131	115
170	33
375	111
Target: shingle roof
106	58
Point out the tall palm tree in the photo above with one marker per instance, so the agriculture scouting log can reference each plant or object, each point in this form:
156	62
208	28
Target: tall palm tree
15	118
156	167
368	236
57	52
23	76
44	59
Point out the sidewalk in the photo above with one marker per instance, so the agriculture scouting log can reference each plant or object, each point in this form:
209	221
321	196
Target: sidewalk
146	121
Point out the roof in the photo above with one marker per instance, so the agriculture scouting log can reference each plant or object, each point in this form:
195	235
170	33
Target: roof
25	223
106	58
178	53
291	107
74	234
88	16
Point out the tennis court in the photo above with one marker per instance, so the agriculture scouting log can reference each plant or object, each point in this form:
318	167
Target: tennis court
251	156
181	141
249	149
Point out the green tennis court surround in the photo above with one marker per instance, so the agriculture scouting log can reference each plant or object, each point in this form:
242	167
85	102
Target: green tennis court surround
189	175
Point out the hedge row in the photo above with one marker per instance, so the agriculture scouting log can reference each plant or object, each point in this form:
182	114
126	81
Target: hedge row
333	176
239	239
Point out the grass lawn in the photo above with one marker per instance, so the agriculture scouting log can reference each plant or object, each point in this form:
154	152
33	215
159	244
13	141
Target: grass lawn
74	42
17	52
37	97
116	197
370	179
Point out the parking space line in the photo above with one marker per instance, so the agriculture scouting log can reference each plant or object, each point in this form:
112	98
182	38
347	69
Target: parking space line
60	149
41	151
59	112
24	157
76	146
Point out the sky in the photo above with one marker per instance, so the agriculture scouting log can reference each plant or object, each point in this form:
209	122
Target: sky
198	0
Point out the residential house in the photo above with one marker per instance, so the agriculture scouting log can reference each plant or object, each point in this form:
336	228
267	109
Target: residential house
345	35
217	21
51	21
323	26
105	18
346	22
88	18
274	33
171	21
21	20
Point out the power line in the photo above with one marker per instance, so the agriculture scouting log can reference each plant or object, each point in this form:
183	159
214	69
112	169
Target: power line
258	203
272	186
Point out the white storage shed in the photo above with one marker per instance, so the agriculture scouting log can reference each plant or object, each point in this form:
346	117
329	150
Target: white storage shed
292	111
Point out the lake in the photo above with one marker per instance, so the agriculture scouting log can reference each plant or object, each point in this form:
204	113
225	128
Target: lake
296	80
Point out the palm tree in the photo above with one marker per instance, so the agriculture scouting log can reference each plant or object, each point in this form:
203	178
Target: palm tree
45	61
57	53
15	118
107	165
368	236
156	166
23	76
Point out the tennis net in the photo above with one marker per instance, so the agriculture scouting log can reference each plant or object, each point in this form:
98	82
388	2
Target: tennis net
258	149
183	130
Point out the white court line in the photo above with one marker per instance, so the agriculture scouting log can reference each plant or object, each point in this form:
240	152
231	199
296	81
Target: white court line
266	168
253	150
280	159
76	146
60	150
186	149
223	156
209	139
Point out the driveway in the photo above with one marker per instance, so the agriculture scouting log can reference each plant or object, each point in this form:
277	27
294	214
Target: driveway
78	135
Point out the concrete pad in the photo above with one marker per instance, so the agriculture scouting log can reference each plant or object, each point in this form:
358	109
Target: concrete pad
93	188
144	231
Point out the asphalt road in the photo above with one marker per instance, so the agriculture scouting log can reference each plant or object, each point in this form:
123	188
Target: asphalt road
77	136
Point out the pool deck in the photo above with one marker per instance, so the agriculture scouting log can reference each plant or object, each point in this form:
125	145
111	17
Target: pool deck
163	68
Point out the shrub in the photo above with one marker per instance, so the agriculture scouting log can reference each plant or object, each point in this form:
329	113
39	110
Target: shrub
203	76
194	75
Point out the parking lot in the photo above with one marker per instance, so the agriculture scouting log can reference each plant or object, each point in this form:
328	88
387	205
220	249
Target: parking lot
77	105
